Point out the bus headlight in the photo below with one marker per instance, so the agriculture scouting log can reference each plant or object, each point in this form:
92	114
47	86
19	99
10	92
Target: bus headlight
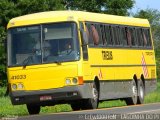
68	81
74	81
20	86
14	86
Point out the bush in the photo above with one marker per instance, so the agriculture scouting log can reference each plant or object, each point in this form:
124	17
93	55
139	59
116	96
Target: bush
2	91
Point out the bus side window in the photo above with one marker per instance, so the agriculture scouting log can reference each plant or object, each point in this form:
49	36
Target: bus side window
98	28
103	36
133	36
123	36
128	33
88	27
108	35
84	47
87	30
144	38
139	37
147	37
95	35
120	35
115	35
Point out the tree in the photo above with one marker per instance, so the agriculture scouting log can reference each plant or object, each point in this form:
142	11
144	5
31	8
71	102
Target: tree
7	10
2	55
116	7
33	6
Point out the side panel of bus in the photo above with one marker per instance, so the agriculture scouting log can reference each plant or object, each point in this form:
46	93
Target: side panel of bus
115	75
127	56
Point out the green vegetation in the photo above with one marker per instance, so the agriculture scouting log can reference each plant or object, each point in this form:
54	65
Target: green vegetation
154	96
7	109
116	7
2	91
56	108
114	103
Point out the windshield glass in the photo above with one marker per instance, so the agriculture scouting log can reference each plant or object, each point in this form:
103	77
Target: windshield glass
43	44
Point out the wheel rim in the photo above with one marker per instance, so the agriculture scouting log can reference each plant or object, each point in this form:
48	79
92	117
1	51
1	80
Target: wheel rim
95	93
134	90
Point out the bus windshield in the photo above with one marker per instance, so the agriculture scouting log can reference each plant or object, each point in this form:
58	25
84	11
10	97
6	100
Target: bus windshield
48	43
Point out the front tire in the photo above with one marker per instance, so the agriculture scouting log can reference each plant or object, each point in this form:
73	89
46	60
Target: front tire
33	109
92	103
75	106
133	99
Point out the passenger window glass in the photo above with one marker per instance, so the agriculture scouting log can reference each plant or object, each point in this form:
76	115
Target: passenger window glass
108	35
124	36
144	39
95	35
139	37
115	32
128	37
147	37
98	29
104	41
133	36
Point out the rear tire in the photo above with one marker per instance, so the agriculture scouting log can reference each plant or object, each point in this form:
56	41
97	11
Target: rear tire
33	109
141	92
133	99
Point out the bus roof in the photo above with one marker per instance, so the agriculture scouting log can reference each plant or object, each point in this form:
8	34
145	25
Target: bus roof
57	16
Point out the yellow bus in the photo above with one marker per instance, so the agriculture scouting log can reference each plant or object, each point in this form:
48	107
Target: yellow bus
80	58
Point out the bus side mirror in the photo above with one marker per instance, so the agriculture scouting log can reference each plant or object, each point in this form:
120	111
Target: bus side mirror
84	37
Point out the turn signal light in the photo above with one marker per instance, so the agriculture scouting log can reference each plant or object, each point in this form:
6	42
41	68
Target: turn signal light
80	80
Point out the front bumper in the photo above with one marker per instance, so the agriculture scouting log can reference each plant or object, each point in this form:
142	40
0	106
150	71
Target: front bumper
64	94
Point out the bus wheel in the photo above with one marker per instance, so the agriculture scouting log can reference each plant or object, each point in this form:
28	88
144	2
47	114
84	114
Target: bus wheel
133	99
33	109
140	92
92	103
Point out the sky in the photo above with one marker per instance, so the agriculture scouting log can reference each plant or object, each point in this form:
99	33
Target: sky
143	4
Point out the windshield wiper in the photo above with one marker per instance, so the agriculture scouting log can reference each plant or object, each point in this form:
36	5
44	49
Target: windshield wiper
26	61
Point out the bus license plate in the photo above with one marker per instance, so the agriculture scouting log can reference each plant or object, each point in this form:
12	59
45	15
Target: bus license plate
44	98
